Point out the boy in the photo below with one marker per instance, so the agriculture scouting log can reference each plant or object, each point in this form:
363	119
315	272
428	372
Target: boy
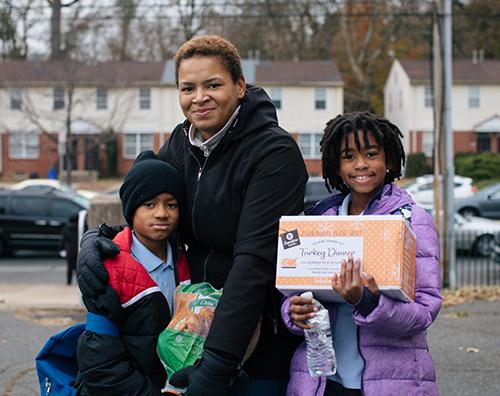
144	274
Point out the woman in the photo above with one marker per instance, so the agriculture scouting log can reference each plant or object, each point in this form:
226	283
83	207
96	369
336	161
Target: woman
242	172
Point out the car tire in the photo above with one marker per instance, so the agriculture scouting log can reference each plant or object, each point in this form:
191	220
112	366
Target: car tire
483	246
469	212
3	247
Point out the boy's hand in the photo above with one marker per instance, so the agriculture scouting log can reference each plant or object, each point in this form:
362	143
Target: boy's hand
348	283
301	309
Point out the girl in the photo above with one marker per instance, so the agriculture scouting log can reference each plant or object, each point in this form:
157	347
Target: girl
380	343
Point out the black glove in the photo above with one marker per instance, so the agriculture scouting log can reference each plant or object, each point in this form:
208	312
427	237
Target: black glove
213	375
97	295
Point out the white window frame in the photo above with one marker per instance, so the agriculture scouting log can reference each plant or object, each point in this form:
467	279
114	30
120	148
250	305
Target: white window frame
276	95
16	99
428	97
145	98
24	145
474	97
135	142
58	98
428	143
101	98
309	145
320	98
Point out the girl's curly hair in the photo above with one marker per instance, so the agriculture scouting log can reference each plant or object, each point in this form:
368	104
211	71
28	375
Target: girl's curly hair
338	129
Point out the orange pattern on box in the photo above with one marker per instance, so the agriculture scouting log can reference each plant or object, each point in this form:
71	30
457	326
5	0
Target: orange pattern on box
389	248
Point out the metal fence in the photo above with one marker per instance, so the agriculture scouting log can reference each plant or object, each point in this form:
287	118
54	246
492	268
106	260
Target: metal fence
476	261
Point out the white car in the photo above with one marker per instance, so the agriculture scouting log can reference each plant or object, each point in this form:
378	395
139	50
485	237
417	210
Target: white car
422	189
50	184
475	234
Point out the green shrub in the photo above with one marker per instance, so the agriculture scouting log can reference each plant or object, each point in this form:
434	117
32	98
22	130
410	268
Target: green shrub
478	166
416	165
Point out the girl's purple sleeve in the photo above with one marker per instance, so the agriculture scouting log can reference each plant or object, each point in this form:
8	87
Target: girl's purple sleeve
287	319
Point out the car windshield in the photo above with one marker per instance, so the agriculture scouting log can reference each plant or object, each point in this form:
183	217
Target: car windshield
82	201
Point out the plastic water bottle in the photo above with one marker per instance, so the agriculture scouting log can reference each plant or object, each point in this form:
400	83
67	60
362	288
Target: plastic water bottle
321	360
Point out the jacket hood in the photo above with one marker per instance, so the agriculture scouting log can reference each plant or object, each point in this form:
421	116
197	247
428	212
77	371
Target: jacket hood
257	111
388	199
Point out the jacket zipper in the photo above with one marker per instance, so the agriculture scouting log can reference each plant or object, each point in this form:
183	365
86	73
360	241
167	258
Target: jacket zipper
200	171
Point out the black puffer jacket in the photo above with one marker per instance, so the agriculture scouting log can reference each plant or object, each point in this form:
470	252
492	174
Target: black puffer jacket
129	364
235	197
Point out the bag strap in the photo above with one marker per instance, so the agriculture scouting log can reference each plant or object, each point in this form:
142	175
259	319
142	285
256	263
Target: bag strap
101	325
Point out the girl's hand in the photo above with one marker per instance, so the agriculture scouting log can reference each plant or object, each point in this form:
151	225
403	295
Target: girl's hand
348	283
369	281
301	309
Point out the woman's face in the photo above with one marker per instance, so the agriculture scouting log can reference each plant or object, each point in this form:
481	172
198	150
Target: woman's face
207	94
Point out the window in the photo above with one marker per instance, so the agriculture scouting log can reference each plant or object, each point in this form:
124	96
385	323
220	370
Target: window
23	145
390	101
58	98
320	98
135	143
145	98
309	144
428	143
101	98
29	206
483	143
428	97
275	94
63	208
16	99
474	101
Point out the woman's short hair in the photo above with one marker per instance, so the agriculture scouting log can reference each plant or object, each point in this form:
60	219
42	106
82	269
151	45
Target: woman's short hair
210	45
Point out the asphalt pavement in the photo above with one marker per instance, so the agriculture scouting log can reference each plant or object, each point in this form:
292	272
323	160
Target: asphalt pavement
464	340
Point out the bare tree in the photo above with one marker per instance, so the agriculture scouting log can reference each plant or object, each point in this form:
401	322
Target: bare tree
14	28
56	6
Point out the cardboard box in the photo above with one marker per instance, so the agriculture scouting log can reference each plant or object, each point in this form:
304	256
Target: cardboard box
310	250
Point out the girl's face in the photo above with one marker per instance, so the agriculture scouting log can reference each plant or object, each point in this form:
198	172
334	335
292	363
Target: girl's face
207	94
362	170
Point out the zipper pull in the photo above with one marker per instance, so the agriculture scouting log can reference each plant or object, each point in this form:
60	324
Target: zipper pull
199	173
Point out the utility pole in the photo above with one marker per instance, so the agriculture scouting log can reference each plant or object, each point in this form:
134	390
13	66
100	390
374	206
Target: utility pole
444	199
449	169
437	91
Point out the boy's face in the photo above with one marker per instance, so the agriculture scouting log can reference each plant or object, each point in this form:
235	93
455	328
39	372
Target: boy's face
362	170
156	219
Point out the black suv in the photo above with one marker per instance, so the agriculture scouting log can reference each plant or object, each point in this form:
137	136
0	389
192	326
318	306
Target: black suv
34	219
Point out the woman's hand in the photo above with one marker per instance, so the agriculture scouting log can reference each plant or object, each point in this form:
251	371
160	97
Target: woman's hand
349	283
301	309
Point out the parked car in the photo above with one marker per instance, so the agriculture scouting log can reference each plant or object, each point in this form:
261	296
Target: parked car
422	189
485	203
315	191
34	219
49	185
475	234
496	249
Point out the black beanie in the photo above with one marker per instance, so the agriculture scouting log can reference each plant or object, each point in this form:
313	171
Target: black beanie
148	178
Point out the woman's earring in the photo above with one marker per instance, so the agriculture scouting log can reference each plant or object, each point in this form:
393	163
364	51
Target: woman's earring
387	170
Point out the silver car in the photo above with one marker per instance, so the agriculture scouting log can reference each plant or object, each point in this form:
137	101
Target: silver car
485	203
475	234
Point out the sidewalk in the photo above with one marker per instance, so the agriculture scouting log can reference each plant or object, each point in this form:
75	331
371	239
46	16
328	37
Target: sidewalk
19	295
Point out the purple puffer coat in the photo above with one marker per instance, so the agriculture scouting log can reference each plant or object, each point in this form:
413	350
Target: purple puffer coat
392	338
